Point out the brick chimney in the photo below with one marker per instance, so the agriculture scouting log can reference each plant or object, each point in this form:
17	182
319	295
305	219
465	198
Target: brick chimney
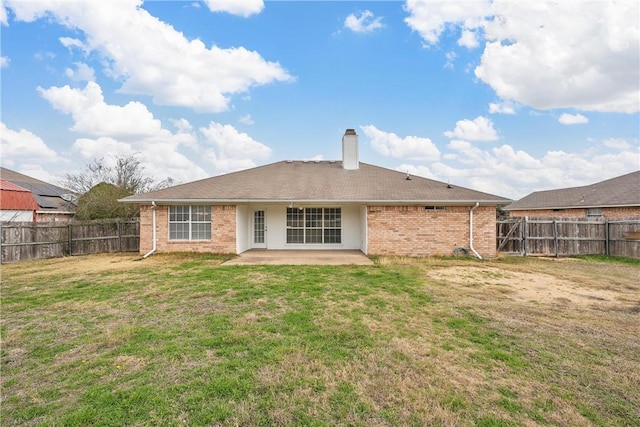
350	160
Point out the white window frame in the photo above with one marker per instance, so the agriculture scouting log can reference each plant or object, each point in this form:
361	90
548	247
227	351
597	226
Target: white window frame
192	221
326	226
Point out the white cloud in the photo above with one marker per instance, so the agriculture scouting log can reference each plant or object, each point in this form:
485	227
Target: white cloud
409	147
503	107
419	170
478	129
182	125
451	56
232	150
533	57
82	73
247	120
152	58
3	15
616	143
127	130
513	173
431	17
364	23
106	147
468	39
4	61
24	145
159	157
93	116
236	7
572	119
591	64
69	42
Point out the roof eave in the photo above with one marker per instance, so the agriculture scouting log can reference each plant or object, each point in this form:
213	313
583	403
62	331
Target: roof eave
323	201
627	205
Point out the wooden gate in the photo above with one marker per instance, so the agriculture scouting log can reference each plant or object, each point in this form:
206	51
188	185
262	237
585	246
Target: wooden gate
510	235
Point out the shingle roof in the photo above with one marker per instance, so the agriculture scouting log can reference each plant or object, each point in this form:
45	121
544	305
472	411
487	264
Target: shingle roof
620	191
48	196
317	181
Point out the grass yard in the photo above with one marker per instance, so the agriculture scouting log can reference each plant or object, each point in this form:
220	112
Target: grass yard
180	340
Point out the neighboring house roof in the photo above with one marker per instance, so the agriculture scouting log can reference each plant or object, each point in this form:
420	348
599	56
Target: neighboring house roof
14	197
317	181
47	196
622	191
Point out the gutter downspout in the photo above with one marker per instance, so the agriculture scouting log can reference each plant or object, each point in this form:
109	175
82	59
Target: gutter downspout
470	231
153	222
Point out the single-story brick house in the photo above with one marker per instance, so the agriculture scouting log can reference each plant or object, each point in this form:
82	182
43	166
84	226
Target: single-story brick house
616	198
319	205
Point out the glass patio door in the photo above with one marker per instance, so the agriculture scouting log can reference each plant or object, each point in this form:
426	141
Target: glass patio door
259	229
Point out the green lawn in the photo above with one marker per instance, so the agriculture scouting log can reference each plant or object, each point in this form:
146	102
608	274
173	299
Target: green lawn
180	340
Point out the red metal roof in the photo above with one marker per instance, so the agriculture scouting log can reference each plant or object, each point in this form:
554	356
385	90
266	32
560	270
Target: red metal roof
6	185
14	197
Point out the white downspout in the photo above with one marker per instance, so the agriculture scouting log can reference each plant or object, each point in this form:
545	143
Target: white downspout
471	231
153	222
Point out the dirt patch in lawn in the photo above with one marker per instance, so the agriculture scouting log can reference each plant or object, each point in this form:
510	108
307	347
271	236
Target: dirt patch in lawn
531	287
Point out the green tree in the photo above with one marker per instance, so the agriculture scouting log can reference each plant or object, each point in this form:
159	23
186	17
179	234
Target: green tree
101	202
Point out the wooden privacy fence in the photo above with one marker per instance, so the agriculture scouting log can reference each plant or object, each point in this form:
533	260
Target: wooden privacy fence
21	241
565	237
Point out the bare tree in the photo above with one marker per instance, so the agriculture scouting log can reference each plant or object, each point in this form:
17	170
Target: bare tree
126	173
100	186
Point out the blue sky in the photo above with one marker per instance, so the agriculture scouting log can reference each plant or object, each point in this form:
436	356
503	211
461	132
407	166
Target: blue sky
505	97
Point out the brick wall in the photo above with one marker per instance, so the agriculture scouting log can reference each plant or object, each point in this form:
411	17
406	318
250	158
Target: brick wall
607	213
415	231
223	231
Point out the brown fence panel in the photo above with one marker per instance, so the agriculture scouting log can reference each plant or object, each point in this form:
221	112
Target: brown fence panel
94	238
21	241
624	238
566	237
32	240
581	237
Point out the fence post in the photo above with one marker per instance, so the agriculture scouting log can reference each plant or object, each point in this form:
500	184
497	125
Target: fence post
555	236
524	236
119	235
1	251
606	237
69	233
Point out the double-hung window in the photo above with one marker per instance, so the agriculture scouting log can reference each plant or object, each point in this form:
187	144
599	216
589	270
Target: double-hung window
189	222
314	225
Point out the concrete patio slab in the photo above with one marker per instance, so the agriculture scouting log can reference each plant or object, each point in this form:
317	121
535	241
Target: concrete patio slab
295	257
